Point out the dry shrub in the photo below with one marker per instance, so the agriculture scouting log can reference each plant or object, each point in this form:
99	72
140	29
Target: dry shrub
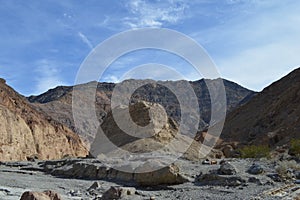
253	151
295	147
284	168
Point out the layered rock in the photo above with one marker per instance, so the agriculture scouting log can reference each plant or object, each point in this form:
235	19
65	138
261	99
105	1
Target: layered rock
26	132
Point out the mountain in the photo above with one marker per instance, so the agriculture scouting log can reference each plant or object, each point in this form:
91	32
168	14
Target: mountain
25	132
57	103
272	117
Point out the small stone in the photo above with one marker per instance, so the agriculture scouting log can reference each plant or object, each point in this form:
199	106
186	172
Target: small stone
254	180
275	177
213	162
4	191
75	193
118	192
94	186
127	191
112	193
206	162
53	195
227	169
255	169
152	198
297	174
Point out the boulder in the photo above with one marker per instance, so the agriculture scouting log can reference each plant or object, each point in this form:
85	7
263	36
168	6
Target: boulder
46	195
226	169
255	169
217	180
167	175
230	152
118	193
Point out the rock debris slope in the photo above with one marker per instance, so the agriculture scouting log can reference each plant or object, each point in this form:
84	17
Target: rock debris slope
25	132
272	117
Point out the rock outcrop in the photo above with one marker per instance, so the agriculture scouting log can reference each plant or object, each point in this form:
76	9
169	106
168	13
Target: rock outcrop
150	133
147	174
27	133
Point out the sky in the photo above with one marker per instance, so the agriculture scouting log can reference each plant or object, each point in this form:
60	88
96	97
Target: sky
43	43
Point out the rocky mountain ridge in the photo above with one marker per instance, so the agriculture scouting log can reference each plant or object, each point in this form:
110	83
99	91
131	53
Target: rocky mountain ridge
57	102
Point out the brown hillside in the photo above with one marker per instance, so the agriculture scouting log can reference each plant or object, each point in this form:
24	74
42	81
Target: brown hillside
25	132
272	117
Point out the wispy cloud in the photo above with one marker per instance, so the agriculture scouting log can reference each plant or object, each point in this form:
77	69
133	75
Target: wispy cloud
257	48
154	14
48	76
85	40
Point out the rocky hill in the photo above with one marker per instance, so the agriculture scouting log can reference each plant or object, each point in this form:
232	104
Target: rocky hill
151	132
270	118
27	133
57	103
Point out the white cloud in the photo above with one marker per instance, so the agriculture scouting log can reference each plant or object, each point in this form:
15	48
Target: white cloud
259	47
110	79
47	76
260	66
85	40
146	14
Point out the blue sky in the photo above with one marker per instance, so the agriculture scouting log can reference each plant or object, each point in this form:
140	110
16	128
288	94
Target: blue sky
43	43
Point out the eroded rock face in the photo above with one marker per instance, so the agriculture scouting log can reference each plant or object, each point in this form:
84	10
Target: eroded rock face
26	132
